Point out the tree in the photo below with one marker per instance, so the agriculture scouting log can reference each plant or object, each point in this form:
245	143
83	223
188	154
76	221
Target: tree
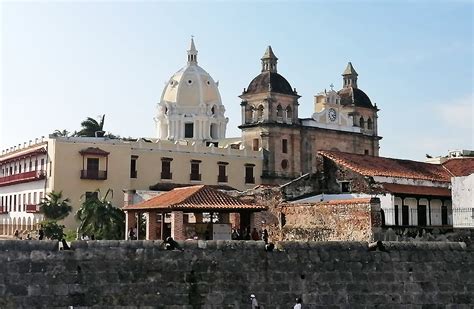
54	207
59	133
90	126
98	217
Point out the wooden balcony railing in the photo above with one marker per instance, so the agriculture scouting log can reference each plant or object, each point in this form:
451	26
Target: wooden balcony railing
195	177
222	178
22	177
93	174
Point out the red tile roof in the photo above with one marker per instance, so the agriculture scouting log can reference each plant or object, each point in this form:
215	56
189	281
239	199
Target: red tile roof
380	166
460	166
194	198
416	190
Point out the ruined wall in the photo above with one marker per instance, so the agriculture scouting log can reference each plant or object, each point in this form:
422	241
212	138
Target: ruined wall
222	274
349	220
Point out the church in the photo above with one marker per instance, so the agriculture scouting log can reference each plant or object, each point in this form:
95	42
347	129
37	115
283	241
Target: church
190	146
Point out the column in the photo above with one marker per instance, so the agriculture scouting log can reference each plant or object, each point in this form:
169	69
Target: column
151	225
130	221
177	225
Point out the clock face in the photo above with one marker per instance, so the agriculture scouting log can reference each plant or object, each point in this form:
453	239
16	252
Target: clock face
332	114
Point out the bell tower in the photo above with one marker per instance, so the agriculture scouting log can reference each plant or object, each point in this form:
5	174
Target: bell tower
270	121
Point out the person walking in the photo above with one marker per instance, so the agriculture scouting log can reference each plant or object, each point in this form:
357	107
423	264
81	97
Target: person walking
298	303
254	302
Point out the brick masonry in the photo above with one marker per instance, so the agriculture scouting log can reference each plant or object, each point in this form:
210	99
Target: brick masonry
222	274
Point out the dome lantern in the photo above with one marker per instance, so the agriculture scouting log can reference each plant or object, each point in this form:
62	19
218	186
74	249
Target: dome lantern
269	61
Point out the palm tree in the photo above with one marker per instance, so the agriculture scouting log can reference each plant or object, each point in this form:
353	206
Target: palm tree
90	127
59	133
98	217
54	207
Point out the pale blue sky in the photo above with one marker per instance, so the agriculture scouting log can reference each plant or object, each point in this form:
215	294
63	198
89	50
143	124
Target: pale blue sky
62	62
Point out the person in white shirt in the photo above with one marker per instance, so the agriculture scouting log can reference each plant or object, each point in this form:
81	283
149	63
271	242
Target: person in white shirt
298	303
254	302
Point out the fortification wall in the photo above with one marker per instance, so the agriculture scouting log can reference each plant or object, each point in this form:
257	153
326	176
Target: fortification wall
222	274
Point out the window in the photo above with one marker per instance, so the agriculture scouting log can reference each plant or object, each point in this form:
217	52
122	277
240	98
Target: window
345	186
14	202
396	215
369	124
195	170
92	196
444	215
166	168
42	164
19	168
133	167
249	178
256	144
34	198
188	130
279	112
31	166
284	164
362	122
366	151
36	165
222	177
260	113
289	113
284	145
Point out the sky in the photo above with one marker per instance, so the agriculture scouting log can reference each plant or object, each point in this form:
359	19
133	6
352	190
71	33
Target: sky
62	62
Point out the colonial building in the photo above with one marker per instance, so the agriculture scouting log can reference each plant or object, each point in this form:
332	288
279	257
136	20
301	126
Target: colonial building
344	120
411	193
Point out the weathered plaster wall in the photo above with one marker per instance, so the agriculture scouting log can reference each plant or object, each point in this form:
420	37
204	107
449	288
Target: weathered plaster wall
222	274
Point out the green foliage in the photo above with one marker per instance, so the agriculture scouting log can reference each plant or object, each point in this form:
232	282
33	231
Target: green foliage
53	230
54	207
59	133
90	126
70	235
98	217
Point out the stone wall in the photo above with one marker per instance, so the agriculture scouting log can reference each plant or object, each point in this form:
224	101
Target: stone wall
222	274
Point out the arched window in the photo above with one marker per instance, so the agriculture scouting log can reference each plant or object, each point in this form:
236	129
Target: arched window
213	110
362	122
279	111
260	113
289	113
249	114
369	124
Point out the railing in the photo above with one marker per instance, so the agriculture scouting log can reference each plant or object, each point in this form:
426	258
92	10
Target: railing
418	217
93	174
463	217
249	179
222	178
166	175
22	177
195	177
32	208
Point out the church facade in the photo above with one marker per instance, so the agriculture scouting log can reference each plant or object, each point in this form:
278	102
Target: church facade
344	120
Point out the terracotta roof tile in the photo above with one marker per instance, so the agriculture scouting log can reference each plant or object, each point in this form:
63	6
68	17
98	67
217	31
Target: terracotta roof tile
416	190
460	166
192	198
380	166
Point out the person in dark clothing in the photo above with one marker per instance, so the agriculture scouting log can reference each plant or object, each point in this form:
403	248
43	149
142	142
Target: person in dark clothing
40	234
265	236
171	244
255	235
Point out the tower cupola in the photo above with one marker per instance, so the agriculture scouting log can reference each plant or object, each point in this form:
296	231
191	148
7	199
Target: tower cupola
269	61
192	53
349	76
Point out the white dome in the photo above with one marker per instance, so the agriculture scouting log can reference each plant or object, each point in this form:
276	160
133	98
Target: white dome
191	86
190	105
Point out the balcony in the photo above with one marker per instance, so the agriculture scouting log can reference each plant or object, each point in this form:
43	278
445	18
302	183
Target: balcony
195	177
32	208
165	175
222	178
93	174
22	177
